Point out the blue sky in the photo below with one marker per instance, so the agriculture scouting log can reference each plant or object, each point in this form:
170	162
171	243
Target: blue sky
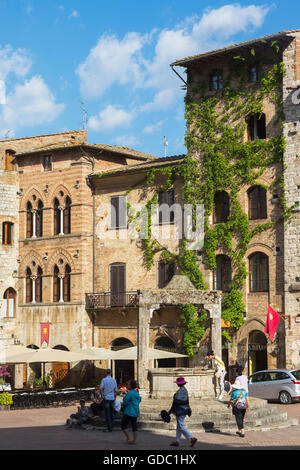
114	57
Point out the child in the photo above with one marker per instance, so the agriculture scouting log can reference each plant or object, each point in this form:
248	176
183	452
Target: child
131	411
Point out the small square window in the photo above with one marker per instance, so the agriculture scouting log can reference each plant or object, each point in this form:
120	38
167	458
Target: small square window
216	81
253	73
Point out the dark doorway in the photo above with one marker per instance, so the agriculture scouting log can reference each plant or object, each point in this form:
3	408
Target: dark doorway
123	370
257	352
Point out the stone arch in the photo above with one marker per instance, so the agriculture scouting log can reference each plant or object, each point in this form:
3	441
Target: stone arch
32	256
61	198
28	197
253	247
54	260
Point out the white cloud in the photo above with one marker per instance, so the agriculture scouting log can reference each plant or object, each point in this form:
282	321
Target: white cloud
16	61
29	104
127	141
110	61
162	100
110	118
153	128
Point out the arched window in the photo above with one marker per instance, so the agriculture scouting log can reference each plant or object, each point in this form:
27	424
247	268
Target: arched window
39	285
67	216
259	272
257	203
29	220
39	219
29	285
221	212
222	273
256	126
56	285
9	303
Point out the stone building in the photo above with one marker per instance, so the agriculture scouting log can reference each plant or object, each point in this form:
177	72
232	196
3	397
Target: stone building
272	256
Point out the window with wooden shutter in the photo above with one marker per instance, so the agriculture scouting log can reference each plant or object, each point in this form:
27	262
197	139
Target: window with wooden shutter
257	199
7	233
29	220
28	286
165	273
259	273
118	212
67	216
67	284
9	303
56	285
39	286
9	158
117	284
39	219
166	199
56	217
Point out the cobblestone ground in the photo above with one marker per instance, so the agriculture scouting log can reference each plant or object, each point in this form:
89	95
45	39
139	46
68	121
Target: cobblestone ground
43	429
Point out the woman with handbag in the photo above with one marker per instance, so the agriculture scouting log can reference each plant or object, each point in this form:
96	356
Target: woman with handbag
181	408
240	404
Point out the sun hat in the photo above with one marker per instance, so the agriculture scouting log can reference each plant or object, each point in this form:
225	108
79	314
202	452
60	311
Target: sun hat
165	416
180	381
237	385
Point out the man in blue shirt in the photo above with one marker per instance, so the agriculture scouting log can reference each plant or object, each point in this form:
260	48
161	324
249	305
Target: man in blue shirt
109	389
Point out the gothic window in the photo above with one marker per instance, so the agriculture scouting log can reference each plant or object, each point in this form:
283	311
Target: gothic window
67	216
39	285
259	272
56	285
222	273
39	219
222	205
62	283
29	220
29	285
62	216
257	203
67	284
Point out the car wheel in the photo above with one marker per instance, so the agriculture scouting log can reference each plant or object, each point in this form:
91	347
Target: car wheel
285	398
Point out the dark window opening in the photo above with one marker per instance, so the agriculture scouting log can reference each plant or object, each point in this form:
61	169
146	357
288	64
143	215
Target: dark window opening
165	273
259	273
216	81
166	199
256	126
257	198
222	207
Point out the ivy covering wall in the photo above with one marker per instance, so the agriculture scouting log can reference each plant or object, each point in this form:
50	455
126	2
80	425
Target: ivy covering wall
221	158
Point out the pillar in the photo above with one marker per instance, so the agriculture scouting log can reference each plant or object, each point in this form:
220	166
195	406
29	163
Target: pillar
144	318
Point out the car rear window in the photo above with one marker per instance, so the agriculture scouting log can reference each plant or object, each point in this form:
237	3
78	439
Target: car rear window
296	374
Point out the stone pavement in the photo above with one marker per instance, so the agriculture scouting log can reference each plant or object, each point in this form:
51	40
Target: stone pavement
43	429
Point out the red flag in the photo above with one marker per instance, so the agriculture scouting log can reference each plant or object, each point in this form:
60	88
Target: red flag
45	332
273	319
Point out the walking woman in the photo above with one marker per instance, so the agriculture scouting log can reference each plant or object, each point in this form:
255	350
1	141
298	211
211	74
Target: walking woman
131	411
240	404
181	408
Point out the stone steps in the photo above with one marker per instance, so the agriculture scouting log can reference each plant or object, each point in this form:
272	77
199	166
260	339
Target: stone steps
210	416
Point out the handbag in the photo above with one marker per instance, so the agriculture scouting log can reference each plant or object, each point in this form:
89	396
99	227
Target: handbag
241	403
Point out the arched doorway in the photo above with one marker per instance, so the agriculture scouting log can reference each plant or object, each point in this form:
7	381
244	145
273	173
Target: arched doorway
60	371
166	344
257	352
123	370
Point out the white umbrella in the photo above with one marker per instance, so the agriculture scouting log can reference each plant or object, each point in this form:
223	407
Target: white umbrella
44	355
97	354
7	353
131	354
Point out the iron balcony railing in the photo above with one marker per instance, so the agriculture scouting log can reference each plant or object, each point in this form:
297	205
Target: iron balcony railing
110	299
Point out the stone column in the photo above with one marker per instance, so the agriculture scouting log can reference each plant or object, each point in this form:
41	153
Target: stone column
61	287
61	228
216	329
144	318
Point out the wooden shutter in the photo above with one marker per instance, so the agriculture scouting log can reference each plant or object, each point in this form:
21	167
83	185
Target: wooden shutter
67	216
29	221
165	273
262	201
56	285
253	203
7	228
28	287
9	156
117	284
67	285
56	218
39	220
118	212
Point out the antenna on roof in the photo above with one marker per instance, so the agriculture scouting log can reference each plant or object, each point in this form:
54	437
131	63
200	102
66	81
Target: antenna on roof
166	143
84	115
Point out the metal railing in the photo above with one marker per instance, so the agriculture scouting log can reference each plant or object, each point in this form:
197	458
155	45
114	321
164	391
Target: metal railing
109	299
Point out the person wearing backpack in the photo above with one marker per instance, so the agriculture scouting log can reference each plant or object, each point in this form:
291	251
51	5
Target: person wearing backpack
239	401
